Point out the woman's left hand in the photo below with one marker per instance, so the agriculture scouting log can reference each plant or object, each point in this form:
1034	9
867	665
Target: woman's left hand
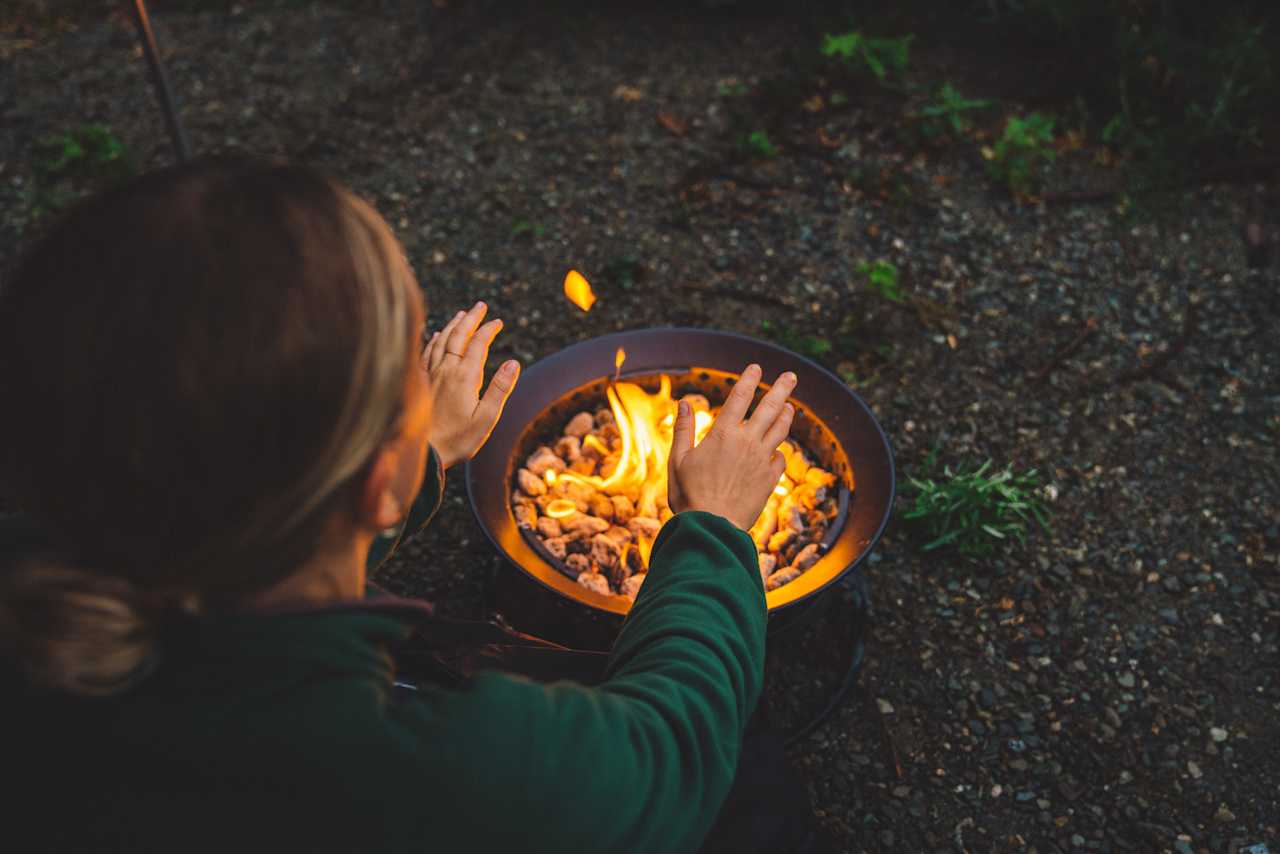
462	419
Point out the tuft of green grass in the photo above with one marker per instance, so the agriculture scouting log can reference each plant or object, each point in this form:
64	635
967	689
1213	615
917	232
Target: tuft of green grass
879	56
1025	145
950	111
71	164
524	226
973	509
759	144
806	344
882	278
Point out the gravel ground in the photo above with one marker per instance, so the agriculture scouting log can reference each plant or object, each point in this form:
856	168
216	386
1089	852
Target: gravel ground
1111	686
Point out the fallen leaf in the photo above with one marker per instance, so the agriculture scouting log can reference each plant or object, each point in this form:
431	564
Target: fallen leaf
873	230
814	104
988	153
1072	140
942	180
828	142
673	123
951	342
627	93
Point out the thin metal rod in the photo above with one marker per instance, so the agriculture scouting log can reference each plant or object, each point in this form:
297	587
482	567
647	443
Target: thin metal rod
160	80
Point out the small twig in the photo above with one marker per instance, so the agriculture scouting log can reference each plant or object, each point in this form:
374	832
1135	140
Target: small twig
1154	365
1081	197
887	738
1067	350
959	834
710	170
741	296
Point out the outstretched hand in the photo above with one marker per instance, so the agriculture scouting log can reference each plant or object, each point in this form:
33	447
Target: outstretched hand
735	467
462	419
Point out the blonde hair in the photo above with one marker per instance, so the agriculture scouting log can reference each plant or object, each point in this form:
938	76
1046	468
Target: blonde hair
210	354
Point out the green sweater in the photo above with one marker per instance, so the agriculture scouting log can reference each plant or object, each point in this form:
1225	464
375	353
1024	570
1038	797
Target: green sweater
283	732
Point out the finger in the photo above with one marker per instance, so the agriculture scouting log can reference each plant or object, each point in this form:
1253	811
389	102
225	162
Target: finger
478	351
778	465
429	352
461	334
744	389
770	406
681	434
489	410
681	444
780	428
442	341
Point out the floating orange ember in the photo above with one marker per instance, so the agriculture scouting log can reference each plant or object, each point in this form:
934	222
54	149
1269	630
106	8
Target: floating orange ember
578	290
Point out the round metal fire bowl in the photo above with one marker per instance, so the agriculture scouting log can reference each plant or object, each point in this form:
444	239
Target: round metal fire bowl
831	421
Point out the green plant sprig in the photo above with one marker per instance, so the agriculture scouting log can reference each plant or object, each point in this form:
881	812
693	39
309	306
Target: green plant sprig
882	278
1024	146
878	55
758	143
950	111
974	510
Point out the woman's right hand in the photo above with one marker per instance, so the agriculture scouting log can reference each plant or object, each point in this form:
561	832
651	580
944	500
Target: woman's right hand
735	467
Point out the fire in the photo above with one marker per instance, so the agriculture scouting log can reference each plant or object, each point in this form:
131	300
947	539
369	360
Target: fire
578	290
646	423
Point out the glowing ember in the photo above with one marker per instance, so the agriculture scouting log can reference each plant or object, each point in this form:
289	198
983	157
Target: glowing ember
561	509
578	290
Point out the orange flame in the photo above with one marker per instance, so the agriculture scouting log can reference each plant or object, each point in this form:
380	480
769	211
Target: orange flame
645	425
578	290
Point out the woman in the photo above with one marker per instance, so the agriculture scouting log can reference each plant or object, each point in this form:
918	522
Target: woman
218	410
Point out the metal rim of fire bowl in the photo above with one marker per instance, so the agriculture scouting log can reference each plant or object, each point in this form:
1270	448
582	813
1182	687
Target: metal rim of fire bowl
819	394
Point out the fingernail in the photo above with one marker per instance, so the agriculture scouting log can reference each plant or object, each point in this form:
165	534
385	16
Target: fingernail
789	377
790	410
478	304
509	367
459	314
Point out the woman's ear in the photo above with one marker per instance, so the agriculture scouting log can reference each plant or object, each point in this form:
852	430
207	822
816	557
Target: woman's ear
380	505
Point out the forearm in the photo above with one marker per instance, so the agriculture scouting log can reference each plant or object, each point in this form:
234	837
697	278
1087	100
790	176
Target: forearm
642	762
699	618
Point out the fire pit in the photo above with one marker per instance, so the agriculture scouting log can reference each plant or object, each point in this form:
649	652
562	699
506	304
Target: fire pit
833	426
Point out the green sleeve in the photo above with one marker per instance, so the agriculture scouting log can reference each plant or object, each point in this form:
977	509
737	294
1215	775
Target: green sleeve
421	512
641	762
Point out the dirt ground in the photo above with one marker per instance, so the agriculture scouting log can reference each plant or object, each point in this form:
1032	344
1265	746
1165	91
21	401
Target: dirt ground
1111	686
